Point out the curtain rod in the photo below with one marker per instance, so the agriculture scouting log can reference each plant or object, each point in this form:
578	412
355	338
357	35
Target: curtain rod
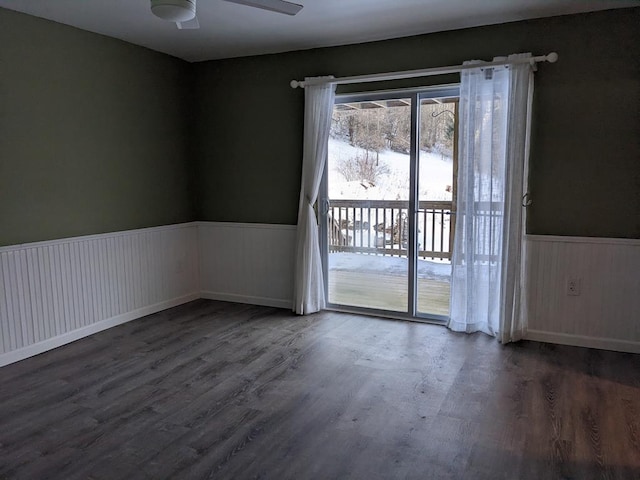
425	72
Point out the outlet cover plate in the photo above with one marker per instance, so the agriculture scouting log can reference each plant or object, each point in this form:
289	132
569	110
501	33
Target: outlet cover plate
573	286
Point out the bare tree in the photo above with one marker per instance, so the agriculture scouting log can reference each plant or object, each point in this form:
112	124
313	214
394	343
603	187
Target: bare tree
362	168
436	128
376	128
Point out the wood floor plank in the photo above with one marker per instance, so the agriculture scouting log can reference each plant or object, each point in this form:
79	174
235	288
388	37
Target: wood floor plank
219	390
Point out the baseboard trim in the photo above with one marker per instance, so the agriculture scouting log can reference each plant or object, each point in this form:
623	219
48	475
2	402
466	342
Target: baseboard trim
583	341
51	343
251	300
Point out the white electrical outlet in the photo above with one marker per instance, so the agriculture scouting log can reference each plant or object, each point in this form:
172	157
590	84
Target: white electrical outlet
573	286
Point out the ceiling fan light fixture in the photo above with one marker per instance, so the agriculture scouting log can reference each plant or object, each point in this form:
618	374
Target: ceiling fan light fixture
174	10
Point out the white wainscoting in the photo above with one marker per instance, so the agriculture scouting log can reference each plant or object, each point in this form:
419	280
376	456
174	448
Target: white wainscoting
247	262
606	314
52	293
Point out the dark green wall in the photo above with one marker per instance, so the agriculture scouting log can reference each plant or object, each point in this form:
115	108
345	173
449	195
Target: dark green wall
97	135
93	133
585	156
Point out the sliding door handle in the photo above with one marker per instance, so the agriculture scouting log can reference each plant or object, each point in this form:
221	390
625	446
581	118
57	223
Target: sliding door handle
326	206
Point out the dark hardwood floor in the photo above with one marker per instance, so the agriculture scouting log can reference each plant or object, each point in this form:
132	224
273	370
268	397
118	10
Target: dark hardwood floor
221	390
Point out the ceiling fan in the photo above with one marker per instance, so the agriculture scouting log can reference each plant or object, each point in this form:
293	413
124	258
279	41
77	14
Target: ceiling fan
183	12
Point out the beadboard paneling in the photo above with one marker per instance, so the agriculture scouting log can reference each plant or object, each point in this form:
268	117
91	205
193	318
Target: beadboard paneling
247	263
607	312
54	292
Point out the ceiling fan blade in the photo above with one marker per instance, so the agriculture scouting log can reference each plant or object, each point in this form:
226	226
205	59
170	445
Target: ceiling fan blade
189	24
279	6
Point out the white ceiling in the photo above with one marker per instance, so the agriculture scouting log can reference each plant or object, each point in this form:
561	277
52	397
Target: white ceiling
231	30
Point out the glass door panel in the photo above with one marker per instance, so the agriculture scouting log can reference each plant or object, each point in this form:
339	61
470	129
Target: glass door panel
367	221
435	217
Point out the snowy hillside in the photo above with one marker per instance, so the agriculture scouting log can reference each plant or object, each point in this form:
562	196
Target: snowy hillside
435	176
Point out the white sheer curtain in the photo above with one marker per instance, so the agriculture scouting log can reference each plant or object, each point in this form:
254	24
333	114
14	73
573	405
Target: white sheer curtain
487	280
308	294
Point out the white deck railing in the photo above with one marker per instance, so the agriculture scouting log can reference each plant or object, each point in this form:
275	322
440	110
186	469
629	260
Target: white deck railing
382	227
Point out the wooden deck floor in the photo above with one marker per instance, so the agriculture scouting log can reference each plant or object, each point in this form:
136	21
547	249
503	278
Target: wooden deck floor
386	292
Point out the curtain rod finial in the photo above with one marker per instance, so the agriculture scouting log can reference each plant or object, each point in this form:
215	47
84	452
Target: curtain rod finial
295	84
552	57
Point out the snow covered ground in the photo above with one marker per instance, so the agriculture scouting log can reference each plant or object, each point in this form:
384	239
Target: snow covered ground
435	175
385	265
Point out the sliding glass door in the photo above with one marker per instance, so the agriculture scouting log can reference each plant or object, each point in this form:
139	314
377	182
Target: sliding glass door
387	203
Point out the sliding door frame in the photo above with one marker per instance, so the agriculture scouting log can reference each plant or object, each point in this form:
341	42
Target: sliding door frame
416	96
